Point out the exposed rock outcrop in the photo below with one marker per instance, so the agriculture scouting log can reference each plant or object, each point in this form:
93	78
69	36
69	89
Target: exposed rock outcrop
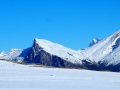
37	55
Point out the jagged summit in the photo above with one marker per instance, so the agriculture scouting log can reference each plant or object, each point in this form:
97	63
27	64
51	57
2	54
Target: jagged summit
94	41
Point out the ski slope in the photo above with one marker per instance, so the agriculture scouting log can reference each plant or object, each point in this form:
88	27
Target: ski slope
24	77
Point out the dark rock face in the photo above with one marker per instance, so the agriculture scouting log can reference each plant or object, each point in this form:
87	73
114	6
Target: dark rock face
94	41
24	52
117	44
47	59
37	55
88	64
114	68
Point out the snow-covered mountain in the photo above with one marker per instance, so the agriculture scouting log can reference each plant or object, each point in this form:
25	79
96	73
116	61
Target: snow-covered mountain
60	51
10	55
101	54
14	54
106	51
53	54
103	47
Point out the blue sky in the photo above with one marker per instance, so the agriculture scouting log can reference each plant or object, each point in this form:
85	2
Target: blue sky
72	23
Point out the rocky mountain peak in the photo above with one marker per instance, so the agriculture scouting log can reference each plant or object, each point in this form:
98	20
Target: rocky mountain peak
94	41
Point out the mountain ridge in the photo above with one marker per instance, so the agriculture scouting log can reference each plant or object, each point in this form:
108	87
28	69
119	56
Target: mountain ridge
102	54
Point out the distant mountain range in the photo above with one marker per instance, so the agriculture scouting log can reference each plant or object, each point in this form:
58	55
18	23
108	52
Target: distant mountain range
101	54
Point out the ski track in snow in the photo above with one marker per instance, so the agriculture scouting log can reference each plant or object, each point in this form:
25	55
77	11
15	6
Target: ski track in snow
24	77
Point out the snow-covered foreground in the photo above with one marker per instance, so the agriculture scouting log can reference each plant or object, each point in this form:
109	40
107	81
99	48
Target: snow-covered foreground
22	77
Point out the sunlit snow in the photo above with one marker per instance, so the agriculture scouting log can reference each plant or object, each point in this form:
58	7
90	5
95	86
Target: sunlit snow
23	77
61	51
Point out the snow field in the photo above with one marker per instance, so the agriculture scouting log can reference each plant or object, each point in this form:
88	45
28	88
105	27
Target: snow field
23	77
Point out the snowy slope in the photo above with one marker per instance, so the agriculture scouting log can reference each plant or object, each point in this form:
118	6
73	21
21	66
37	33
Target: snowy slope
113	58
61	51
14	54
11	55
103	47
24	77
